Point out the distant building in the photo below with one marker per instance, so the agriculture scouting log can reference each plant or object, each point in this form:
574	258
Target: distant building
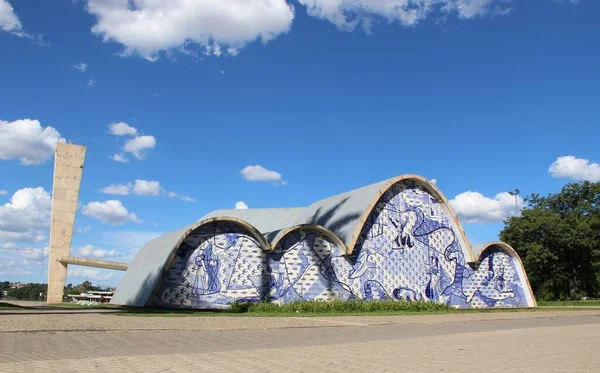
398	239
93	296
16	285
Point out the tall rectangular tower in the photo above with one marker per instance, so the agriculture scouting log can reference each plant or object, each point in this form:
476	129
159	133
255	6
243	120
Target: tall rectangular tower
68	168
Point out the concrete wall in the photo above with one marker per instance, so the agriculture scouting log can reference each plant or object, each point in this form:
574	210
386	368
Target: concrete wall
408	249
68	168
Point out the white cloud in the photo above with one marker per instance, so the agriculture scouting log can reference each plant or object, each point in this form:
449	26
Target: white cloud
7	264
122	129
28	210
143	188
9	269
90	252
259	173
9	245
34	253
26	216
9	21
148	27
473	207
241	205
23	261
575	168
139	146
348	14
147	188
119	190
81	67
39	39
3	192
433	181
34	263
28	236
110	212
89	274
187	199
140	187
119	158
471	8
181	197
91	83
212	49
27	141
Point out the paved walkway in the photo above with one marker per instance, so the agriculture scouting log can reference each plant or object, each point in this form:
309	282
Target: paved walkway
488	342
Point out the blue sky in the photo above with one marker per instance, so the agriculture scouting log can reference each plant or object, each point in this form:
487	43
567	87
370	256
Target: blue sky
484	96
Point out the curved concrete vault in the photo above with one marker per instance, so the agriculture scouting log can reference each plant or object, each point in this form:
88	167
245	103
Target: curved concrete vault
396	239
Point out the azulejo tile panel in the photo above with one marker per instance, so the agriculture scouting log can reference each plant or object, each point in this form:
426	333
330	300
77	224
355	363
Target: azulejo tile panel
407	250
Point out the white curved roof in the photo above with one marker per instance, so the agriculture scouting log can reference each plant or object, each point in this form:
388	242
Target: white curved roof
264	220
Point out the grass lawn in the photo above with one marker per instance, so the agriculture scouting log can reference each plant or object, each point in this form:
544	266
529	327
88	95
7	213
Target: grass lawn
314	308
310	309
9	306
197	313
337	308
570	303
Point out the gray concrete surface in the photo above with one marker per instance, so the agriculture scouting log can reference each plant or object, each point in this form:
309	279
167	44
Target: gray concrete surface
489	342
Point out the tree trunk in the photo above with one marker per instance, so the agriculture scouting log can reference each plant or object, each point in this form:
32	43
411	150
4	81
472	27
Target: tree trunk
573	285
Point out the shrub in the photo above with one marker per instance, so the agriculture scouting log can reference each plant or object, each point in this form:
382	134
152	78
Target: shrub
339	307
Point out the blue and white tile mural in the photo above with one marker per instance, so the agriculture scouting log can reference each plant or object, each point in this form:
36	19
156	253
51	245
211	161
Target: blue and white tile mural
407	250
215	265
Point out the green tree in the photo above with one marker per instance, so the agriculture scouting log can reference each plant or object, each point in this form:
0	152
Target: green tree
558	239
28	292
86	286
4	286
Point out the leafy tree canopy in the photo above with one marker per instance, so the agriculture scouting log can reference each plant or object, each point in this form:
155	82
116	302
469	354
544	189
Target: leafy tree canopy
33	291
558	239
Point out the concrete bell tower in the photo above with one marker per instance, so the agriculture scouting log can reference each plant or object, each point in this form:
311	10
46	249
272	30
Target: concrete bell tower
68	168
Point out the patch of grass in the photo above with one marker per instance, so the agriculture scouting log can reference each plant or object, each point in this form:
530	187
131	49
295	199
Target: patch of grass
305	308
570	303
339	307
334	308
